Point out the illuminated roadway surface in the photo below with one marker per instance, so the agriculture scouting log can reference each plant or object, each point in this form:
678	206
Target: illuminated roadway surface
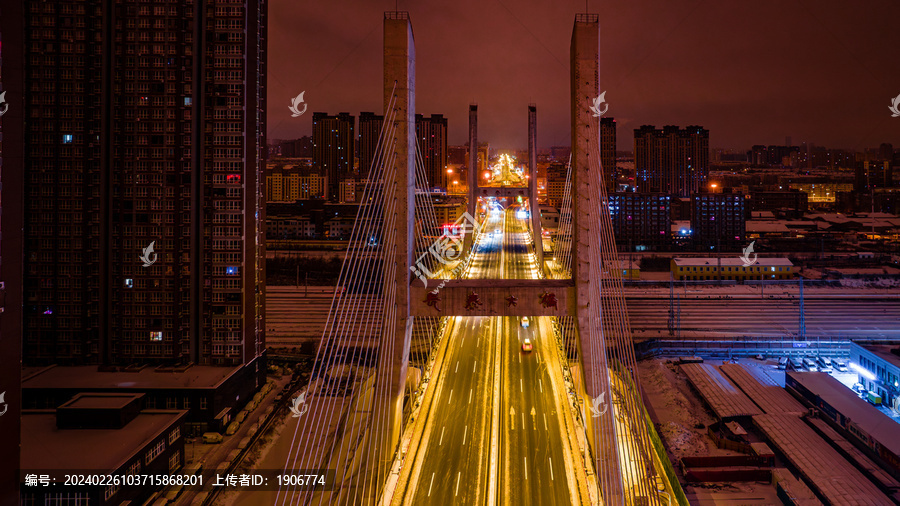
455	466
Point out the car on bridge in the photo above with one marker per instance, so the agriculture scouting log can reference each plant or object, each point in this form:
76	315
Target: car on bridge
525	322
526	345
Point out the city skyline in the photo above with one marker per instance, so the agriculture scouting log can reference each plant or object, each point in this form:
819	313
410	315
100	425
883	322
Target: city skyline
816	76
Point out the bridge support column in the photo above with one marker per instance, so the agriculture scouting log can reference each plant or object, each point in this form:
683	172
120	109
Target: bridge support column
532	187
472	174
586	258
397	242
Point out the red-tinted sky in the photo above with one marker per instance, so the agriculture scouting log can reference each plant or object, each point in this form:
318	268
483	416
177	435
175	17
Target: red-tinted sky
752	72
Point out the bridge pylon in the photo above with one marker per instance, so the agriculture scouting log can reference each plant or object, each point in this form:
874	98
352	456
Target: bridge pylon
587	268
398	236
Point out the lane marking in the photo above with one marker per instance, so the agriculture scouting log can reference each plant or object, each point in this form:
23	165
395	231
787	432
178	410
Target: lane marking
450	396
457	483
430	484
521	388
465	431
520	357
541	385
526	467
545	421
551	468
474	366
523	420
442	436
457	366
470	396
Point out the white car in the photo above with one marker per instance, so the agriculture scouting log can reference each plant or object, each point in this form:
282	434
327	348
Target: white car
525	322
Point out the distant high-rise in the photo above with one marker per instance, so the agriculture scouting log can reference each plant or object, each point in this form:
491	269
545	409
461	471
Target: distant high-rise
671	160
146	148
886	151
369	132
608	153
431	133
556	183
297	148
333	149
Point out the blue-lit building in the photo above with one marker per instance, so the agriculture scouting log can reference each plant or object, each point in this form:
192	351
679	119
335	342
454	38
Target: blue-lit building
878	368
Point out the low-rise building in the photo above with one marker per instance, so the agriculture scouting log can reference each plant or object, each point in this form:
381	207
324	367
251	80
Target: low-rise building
211	396
102	434
731	269
871	428
878	368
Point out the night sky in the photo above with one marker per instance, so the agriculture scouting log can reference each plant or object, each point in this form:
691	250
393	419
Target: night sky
822	71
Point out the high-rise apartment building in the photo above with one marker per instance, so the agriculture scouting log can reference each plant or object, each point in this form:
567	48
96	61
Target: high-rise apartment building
608	153
641	221
145	142
333	149
671	160
12	221
369	134
431	133
718	221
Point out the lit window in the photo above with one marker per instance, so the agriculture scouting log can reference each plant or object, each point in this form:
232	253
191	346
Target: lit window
233	178
156	335
68	138
129	283
187	100
231	270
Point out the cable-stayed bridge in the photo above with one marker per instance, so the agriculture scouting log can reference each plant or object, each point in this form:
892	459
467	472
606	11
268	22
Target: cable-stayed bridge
458	366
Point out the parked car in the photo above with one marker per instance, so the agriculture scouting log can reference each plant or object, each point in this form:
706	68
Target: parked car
810	364
840	365
212	438
796	364
782	363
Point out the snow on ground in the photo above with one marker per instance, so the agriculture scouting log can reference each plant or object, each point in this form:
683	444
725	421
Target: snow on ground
681	424
682	420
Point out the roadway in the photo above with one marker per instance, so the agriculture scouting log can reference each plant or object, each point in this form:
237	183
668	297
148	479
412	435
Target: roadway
495	427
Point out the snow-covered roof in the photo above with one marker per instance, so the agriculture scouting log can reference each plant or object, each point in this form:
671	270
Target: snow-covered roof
730	261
